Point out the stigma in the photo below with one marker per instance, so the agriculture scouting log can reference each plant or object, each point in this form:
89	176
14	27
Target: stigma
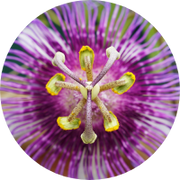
90	90
95	90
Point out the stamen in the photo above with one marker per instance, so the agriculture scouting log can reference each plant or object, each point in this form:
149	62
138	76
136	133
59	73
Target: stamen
84	52
113	84
111	122
71	122
113	55
59	60
77	109
88	67
129	78
67	85
113	125
64	124
103	109
89	90
88	136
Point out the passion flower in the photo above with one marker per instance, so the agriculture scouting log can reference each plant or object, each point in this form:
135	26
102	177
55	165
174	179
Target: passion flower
103	111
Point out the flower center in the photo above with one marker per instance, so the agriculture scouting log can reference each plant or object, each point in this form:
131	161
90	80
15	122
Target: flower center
86	102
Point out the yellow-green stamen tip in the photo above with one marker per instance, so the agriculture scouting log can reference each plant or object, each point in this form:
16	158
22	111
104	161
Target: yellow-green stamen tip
113	125
51	87
129	78
64	124
132	75
85	51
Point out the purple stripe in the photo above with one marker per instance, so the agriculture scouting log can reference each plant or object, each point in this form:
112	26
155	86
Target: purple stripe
121	28
55	152
46	146
118	22
128	33
52	25
44	41
20	92
113	156
39	142
144	35
33	52
93	24
158	66
131	46
100	39
22	87
101	156
118	159
27	72
131	125
157	76
52	39
154	39
19	78
110	38
75	36
75	15
144	53
62	24
127	150
66	153
72	32
151	106
143	130
158	80
32	134
38	69
104	153
137	33
24	56
24	100
67	24
75	160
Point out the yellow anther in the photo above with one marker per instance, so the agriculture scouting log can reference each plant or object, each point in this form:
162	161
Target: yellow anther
64	124
129	78
51	87
113	125
85	51
131	74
